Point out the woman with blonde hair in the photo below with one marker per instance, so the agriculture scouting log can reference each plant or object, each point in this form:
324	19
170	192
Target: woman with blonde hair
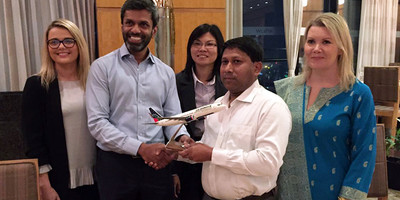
54	119
332	145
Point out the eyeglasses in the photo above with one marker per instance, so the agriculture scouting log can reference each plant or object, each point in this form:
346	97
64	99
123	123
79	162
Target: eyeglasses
55	43
208	45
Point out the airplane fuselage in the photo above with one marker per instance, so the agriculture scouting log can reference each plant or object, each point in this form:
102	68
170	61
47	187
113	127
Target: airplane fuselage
192	115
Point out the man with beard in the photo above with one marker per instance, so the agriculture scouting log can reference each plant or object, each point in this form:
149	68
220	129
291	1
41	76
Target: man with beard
121	87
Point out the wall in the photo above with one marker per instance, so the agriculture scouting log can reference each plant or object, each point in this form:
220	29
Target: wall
187	15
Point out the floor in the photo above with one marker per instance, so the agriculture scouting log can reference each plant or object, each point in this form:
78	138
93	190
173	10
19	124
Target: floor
393	195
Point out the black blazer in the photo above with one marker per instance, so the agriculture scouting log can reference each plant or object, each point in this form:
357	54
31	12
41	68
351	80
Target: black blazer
43	128
185	86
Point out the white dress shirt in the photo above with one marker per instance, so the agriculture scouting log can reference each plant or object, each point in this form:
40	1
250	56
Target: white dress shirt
249	140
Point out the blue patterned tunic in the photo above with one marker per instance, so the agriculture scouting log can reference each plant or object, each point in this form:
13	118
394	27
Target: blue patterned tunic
332	146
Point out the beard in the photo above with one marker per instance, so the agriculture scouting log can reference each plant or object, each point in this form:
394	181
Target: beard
136	47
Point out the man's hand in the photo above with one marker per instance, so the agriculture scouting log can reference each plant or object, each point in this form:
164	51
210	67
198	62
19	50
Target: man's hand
197	152
186	140
155	155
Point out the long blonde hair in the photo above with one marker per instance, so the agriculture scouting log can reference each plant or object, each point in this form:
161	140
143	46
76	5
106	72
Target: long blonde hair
337	26
47	71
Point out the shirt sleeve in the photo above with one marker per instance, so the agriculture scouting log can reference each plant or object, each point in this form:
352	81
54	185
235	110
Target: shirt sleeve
172	107
98	110
33	120
271	138
363	148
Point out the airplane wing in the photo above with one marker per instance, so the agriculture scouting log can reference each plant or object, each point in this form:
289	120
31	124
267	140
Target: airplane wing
177	118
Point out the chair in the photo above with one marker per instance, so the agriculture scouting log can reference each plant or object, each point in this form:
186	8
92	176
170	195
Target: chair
384	84
394	64
12	144
19	179
379	183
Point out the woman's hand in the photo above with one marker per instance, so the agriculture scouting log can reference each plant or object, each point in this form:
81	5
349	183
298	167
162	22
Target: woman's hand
46	191
177	185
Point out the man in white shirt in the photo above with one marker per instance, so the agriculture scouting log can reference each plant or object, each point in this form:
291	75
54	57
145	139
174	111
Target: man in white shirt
243	146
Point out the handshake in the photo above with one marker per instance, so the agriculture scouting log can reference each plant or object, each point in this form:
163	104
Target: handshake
159	155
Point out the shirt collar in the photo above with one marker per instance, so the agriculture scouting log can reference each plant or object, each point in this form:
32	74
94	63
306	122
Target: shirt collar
196	80
246	96
125	52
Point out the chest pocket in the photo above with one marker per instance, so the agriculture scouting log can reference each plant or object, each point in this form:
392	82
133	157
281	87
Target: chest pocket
240	137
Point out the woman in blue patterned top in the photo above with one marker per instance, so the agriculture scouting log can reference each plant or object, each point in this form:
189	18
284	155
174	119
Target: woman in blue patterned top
332	146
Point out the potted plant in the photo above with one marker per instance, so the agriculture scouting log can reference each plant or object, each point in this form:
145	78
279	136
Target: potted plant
393	160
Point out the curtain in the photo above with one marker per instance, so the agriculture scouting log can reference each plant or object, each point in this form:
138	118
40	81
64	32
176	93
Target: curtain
22	27
293	16
377	40
234	19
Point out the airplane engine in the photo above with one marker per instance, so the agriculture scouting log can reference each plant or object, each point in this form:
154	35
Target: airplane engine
189	118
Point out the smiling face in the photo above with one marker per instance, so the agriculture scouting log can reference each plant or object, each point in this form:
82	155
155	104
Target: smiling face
137	30
320	50
204	50
238	72
62	55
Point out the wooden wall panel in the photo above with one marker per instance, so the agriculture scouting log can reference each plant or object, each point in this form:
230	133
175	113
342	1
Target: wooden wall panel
109	3
109	30
200	4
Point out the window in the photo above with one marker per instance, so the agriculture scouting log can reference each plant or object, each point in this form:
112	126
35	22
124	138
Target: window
263	21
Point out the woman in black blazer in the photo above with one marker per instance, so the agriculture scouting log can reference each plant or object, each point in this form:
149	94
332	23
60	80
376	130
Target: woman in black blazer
54	116
199	84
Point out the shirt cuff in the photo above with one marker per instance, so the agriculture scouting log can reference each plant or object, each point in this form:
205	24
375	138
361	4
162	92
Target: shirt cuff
352	193
131	146
218	156
44	169
182	133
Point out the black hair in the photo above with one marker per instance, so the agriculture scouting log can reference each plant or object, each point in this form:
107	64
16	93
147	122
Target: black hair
198	32
246	44
140	5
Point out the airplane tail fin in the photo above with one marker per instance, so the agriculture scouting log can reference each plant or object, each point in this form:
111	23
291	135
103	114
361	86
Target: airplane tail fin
155	115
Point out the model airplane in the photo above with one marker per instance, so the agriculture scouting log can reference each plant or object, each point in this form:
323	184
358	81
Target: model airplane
186	117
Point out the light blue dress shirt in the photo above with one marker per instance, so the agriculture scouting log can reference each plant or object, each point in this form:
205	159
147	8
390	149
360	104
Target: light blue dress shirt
119	93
